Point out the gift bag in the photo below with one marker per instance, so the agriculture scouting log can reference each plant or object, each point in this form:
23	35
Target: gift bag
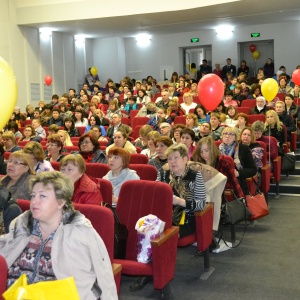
44	290
148	228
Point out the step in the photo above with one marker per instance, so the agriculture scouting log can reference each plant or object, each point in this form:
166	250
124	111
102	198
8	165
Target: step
287	185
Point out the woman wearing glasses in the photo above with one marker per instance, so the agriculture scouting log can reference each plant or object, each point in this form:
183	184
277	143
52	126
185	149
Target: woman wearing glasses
244	164
89	149
29	134
19	171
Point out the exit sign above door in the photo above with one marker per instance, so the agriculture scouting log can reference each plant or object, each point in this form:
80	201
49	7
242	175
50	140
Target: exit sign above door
255	34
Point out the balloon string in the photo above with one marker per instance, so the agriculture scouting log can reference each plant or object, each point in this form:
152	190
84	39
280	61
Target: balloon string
269	145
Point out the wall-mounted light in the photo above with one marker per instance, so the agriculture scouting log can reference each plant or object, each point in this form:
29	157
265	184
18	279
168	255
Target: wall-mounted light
143	40
79	40
224	31
45	33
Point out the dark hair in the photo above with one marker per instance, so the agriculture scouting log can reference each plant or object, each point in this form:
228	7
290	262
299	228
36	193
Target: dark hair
92	137
188	131
69	119
73	90
55	97
199	106
80	111
13	125
1	149
97	119
56	109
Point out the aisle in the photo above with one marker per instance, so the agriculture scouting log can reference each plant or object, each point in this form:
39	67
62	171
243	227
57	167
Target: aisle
265	266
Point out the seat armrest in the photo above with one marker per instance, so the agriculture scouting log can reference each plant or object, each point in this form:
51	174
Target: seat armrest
168	233
117	268
277	168
207	207
265	178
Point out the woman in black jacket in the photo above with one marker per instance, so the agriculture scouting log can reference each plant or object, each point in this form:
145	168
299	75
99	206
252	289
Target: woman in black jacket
244	164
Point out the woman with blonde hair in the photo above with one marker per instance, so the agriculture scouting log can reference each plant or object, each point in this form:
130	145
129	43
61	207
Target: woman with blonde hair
188	103
192	123
37	155
10	142
19	172
273	127
65	138
103	120
150	151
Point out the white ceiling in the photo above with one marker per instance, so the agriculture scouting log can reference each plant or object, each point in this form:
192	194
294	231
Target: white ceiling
240	13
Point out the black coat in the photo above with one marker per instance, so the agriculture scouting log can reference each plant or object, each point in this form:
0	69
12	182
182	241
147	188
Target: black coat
247	162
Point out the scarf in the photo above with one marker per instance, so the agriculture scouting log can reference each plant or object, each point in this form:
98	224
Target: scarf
116	182
232	150
177	183
87	156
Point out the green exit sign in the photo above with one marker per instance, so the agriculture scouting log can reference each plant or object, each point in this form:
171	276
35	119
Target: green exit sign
255	34
195	40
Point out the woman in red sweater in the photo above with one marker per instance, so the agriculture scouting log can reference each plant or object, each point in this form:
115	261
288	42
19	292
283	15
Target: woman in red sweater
86	189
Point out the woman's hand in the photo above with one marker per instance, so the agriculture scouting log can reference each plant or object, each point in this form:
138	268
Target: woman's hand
236	173
114	199
179	201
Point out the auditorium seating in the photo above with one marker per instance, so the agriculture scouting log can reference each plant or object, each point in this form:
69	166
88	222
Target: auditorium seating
151	198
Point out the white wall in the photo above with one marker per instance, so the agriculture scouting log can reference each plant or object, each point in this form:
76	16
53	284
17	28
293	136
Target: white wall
60	56
164	48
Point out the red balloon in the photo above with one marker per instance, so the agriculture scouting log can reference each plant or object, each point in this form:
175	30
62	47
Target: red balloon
210	91
252	48
48	80
296	76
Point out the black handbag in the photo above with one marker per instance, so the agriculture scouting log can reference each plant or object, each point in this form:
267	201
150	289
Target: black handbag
235	211
288	162
120	235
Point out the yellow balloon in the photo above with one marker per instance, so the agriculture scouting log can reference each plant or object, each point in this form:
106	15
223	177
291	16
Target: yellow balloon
94	71
9	92
269	89
255	54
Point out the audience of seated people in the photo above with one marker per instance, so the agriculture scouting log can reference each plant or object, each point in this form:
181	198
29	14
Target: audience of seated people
168	146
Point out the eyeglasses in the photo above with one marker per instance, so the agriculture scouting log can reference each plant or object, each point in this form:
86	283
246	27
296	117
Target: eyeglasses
27	129
16	163
51	145
229	134
85	143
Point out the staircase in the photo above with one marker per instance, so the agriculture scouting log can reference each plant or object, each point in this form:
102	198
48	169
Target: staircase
289	185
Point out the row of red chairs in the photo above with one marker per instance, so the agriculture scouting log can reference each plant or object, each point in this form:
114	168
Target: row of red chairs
153	196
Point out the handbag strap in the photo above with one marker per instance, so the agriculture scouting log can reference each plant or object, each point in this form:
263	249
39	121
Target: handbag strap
116	217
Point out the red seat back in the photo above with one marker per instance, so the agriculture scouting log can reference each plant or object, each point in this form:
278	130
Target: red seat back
256	117
139	121
249	103
245	110
180	120
146	172
137	158
97	170
3	275
152	197
81	129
